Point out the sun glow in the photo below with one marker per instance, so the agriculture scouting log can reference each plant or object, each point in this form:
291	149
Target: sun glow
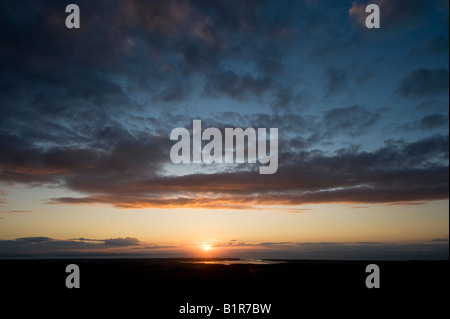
207	247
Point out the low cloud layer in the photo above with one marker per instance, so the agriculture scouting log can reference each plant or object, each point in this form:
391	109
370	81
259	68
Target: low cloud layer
31	247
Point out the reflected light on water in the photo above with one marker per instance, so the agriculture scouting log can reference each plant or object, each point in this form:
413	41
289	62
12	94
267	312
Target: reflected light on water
236	262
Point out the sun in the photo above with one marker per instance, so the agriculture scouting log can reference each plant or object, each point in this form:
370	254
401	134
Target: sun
207	247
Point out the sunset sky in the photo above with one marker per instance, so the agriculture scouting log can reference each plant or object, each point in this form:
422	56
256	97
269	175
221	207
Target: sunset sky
86	116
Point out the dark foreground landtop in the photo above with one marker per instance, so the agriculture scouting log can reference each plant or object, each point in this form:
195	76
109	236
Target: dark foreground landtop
157	288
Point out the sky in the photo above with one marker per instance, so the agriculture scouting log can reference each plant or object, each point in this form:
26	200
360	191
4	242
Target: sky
362	114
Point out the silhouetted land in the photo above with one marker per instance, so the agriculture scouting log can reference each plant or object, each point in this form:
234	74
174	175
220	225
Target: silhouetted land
156	288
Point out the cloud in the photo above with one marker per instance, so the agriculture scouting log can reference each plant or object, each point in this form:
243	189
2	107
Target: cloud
424	82
25	163
35	239
351	120
121	242
270	65
364	250
110	159
228	83
46	246
432	146
170	40
428	123
19	211
433	105
398	172
436	45
116	242
91	111
335	80
433	121
163	17
444	239
364	78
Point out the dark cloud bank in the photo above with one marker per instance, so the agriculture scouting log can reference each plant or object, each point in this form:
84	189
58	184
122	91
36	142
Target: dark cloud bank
127	175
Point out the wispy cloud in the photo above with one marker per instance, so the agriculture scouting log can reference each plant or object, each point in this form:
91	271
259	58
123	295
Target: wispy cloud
443	239
424	82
